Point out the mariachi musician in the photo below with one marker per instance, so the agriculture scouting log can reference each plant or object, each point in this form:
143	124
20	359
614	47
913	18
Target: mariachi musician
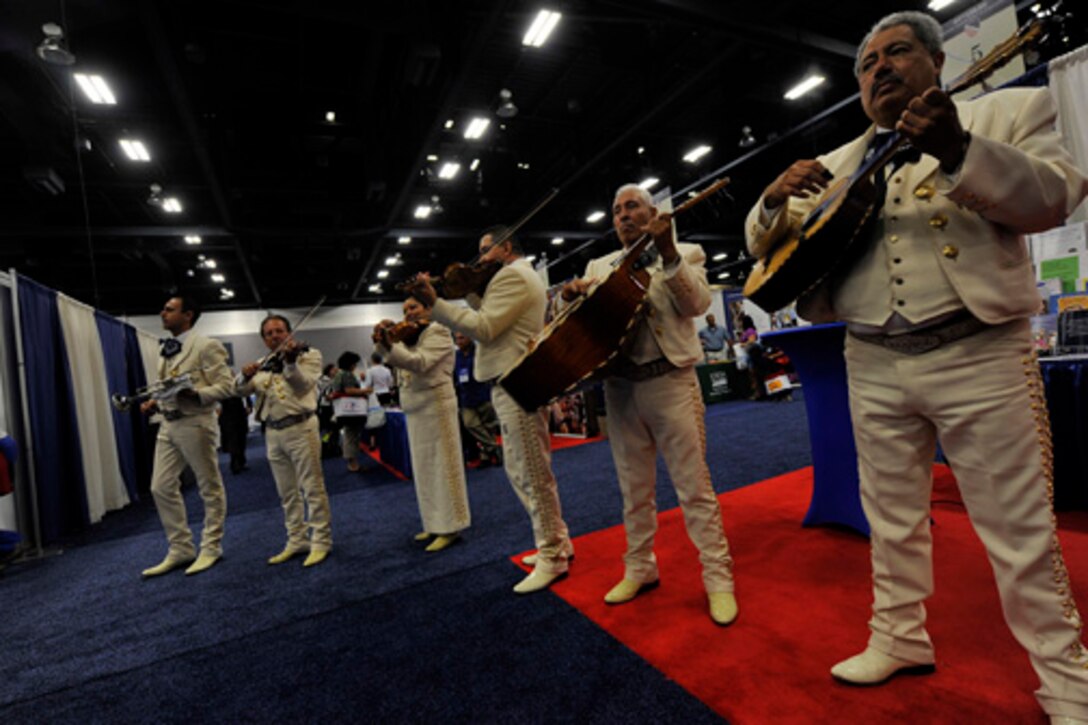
654	403
423	353
285	382
938	346
503	317
188	436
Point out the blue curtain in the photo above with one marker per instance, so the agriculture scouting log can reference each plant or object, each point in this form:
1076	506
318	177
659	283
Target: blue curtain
62	497
144	441
124	375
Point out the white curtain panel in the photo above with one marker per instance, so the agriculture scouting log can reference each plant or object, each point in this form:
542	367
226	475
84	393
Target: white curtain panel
149	353
1069	87
101	468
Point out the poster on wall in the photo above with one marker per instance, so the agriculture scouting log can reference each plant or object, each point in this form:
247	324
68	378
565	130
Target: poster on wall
972	34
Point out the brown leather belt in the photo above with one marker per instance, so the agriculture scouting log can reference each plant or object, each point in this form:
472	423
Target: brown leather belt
288	420
927	339
636	373
173	414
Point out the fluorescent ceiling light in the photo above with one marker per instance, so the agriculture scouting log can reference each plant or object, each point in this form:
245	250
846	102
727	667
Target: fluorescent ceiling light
557	240
449	170
193	239
375	288
226	293
383	273
422	212
171	204
476	127
541	28
95	88
720	256
939	4
218	278
392	261
595	217
723	275
134	149
803	87
404	240
641	150
432	157
449	123
210	263
697	153
330	116
649	182
474	165
523	166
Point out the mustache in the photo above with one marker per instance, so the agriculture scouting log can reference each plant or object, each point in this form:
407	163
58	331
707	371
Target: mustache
890	77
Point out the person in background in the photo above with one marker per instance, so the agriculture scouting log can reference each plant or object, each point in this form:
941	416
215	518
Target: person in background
381	380
234	429
474	400
429	402
938	346
713	338
346	384
286	389
748	341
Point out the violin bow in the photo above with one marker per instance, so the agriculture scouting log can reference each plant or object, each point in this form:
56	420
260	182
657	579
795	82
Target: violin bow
290	337
518	224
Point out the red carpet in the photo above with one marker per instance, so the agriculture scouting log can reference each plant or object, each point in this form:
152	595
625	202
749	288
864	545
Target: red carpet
804	602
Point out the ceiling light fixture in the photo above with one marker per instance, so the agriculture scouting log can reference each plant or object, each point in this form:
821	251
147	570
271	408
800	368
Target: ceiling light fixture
557	241
193	239
51	49
476	127
506	108
210	263
474	165
95	88
218	278
448	124
330	116
449	170
720	256
724	275
641	150
939	4
595	216
747	140
804	87
541	28
392	261
697	153
171	204
383	273
134	149
375	288
404	240
432	158
649	182
422	211
226	293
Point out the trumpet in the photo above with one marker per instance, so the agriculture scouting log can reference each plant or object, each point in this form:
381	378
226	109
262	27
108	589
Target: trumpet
161	390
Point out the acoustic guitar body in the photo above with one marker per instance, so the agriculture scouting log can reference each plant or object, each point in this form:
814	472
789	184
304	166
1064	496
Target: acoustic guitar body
829	238
579	342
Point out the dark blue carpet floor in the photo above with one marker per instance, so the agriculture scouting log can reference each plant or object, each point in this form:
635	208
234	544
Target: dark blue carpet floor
380	632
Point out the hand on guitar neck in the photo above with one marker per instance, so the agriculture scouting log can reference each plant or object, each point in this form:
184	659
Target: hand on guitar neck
931	124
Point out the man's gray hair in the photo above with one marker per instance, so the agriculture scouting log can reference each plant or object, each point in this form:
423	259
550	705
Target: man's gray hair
644	195
925	27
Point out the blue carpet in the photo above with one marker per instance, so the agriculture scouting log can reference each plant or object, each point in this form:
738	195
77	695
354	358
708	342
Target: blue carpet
381	630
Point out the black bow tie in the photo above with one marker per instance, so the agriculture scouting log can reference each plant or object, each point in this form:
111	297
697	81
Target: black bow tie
906	154
169	346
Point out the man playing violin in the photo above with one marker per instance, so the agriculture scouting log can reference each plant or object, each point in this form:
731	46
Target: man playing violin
188	436
655	405
285	383
939	347
503	320
423	353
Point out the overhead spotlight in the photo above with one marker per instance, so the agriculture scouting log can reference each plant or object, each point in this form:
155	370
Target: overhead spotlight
171	204
218	278
449	170
804	87
697	153
506	108
541	28
404	240
449	124
747	140
210	263
375	288
936	5
382	273
95	88
190	273
476	127
719	256
724	275
649	182
226	294
52	49
330	116
392	261
134	149
474	165
422	211
432	158
155	197
557	241
595	216
523	166
641	150
193	239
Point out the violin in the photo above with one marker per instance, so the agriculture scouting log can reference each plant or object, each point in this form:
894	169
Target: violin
408	332
275	360
460	280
